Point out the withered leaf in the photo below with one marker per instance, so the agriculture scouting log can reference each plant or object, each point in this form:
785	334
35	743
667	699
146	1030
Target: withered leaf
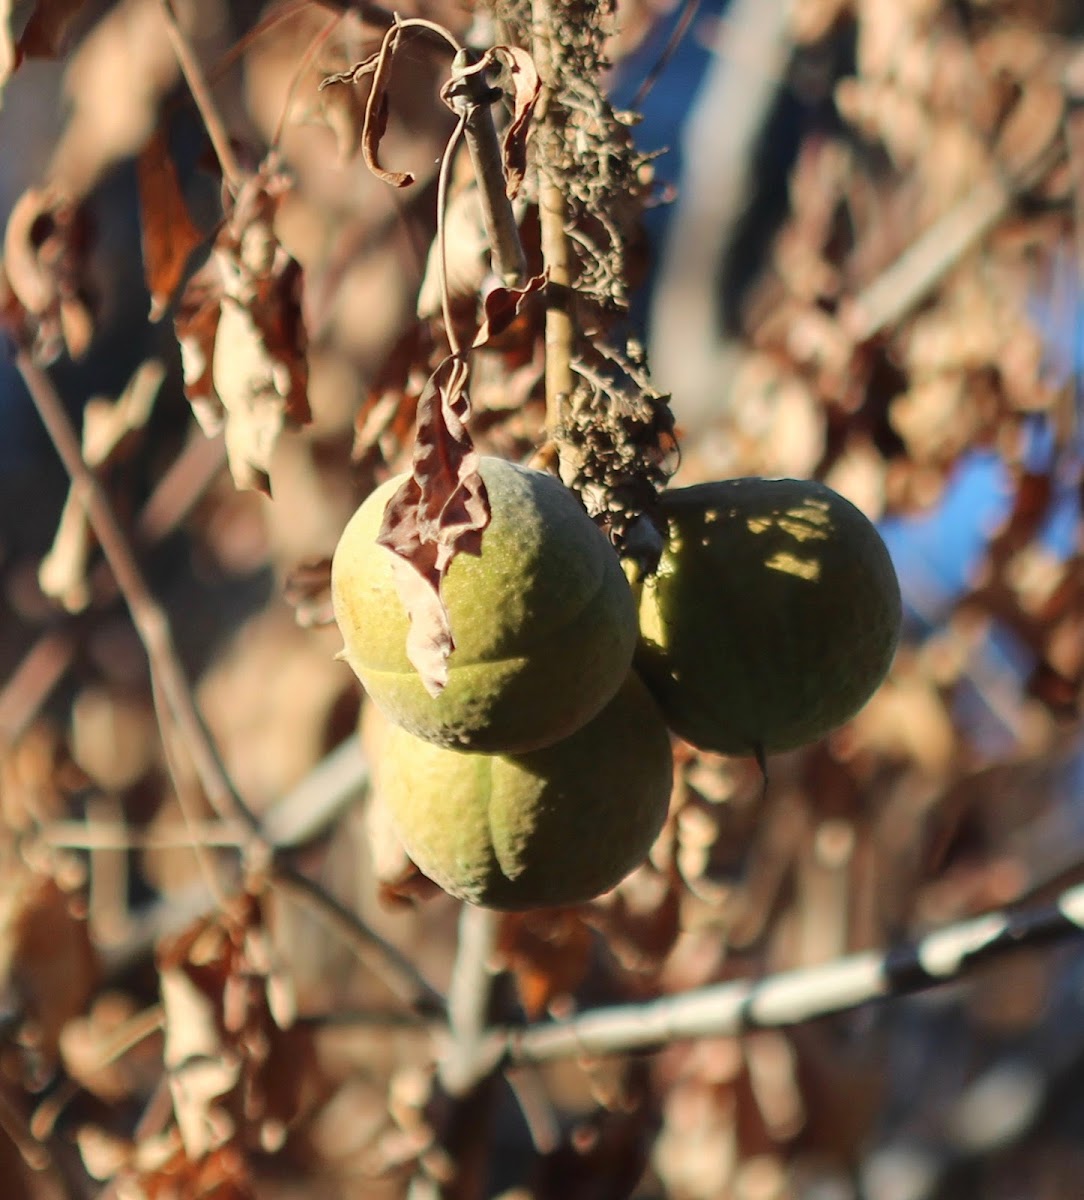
48	32
307	590
235	1064
526	88
549	955
439	512
500	307
168	233
376	114
243	340
45	248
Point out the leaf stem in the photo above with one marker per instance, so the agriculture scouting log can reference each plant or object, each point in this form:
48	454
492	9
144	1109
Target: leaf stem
201	94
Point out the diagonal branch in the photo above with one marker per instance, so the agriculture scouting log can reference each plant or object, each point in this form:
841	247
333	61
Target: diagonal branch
791	997
150	621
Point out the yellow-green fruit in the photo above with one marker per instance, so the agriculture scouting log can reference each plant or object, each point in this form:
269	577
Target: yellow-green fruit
774	615
553	827
544	620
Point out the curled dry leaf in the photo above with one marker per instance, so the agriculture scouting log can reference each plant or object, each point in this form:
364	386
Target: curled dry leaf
439	512
169	236
48	33
46	957
549	954
307	591
235	1062
526	87
242	337
376	113
45	248
501	306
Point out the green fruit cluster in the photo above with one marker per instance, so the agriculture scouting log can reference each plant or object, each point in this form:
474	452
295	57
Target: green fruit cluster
541	774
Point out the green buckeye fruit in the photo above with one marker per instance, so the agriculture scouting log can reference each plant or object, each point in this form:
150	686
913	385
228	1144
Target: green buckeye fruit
773	617
556	826
543	619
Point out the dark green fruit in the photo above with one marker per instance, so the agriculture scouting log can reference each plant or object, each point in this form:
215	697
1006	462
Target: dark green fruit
544	621
557	826
773	617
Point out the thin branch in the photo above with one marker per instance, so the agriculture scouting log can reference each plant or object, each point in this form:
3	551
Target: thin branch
791	997
134	1031
149	619
201	94
116	835
689	9
310	807
48	660
469	1057
382	957
926	261
307	59
442	241
472	97
552	215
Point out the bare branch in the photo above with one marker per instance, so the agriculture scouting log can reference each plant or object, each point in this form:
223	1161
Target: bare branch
381	956
471	96
150	621
201	94
791	997
469	1055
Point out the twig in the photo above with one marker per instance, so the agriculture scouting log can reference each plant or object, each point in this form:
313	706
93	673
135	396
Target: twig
32	681
442	241
791	997
689	9
472	97
150	621
468	1058
201	94
552	215
930	256
49	658
307	59
140	1027
116	835
307	810
384	958
926	261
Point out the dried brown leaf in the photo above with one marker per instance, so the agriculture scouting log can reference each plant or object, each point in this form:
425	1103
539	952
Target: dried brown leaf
307	591
169	236
221	1175
28	277
439	512
243	339
236	1065
48	32
526	88
196	325
45	245
46	956
501	306
376	114
549	954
